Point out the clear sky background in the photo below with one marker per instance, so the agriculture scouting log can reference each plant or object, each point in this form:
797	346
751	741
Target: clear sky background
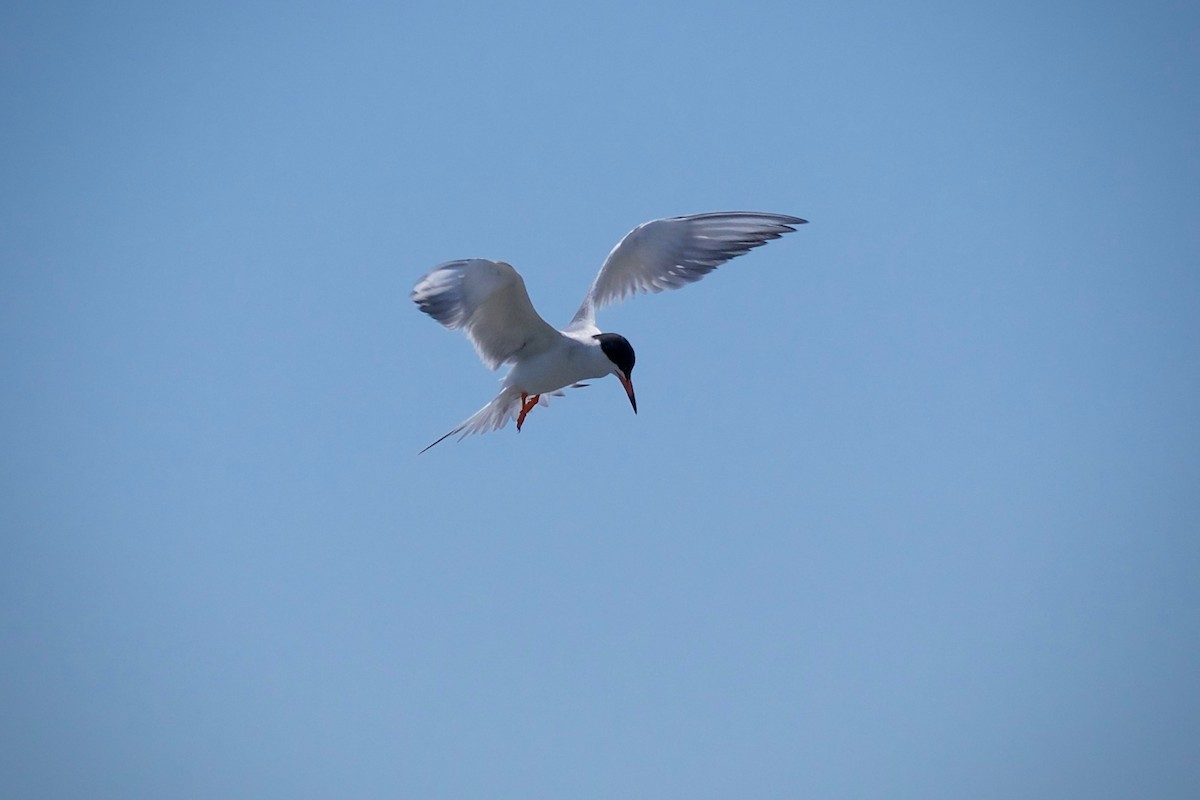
911	508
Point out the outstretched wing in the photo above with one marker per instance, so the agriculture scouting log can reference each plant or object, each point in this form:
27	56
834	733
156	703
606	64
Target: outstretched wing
673	252
488	302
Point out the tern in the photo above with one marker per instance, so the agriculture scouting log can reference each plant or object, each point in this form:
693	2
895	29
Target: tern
488	302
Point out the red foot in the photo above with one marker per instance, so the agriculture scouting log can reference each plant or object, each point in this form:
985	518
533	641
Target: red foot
527	404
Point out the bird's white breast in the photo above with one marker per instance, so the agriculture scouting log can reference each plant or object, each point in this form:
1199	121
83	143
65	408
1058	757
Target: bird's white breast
568	362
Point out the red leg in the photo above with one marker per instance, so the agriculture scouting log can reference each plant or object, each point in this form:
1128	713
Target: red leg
527	404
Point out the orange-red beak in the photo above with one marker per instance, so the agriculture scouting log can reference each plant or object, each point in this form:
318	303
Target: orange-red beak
628	384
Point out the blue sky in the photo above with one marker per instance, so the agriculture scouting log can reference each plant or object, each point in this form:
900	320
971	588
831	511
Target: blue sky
910	505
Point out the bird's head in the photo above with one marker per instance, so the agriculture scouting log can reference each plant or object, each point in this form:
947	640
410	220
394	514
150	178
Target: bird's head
619	351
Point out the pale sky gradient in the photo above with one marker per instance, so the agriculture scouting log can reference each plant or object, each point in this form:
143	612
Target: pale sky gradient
911	508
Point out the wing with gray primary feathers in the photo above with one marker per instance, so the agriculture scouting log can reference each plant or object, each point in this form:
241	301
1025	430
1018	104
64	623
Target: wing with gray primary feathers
488	302
673	252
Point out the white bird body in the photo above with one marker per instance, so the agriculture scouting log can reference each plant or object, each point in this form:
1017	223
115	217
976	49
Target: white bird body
487	300
568	361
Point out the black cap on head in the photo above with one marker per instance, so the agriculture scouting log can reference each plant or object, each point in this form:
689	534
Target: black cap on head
618	349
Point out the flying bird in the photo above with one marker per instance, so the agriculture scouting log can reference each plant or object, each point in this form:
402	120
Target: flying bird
488	302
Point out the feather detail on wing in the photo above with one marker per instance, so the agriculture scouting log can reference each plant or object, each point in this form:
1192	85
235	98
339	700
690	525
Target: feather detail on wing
673	252
488	302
